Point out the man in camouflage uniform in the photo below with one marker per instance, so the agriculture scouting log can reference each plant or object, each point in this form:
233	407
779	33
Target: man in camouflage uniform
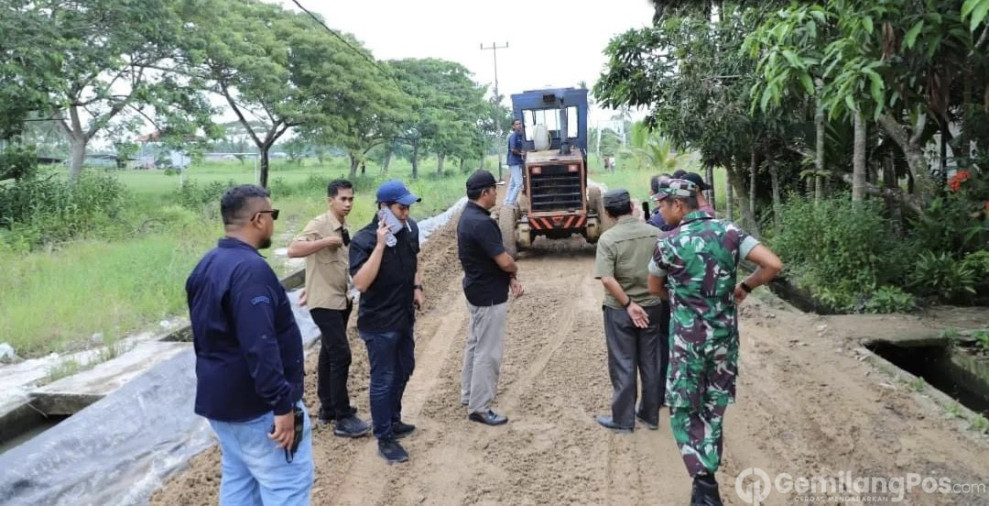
695	267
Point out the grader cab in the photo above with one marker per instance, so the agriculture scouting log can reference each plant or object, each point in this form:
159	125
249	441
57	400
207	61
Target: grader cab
556	201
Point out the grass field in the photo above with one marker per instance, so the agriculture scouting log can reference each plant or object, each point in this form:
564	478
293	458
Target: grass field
56	300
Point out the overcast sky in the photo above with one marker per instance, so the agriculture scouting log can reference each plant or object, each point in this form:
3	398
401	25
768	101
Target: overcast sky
552	43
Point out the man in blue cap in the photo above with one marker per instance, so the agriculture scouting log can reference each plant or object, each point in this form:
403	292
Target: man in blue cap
384	265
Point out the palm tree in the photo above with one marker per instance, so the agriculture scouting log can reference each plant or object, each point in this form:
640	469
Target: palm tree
650	150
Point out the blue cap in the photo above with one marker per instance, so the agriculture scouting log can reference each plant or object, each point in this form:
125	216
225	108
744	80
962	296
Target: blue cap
395	191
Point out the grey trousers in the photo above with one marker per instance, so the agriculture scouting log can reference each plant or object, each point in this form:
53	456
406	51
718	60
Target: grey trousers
482	356
633	350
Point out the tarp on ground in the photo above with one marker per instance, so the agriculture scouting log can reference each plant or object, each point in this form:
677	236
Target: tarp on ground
120	449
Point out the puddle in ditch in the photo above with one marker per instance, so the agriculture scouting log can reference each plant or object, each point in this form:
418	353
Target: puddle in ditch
958	372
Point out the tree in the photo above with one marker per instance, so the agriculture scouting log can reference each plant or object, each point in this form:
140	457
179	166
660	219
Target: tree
448	109
105	58
650	150
691	74
252	54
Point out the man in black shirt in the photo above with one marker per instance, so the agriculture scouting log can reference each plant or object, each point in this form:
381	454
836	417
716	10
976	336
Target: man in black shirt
391	287
489	274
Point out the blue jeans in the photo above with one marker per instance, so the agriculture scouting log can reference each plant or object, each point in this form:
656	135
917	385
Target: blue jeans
254	470
514	184
392	359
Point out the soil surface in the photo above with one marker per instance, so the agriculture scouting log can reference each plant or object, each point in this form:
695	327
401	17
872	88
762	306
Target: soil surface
811	403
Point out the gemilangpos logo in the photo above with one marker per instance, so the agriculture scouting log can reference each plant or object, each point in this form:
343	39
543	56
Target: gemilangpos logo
754	486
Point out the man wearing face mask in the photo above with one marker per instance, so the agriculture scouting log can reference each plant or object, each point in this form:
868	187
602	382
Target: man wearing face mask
384	264
249	360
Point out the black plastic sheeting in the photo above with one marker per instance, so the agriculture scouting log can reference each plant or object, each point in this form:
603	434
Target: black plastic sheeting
120	449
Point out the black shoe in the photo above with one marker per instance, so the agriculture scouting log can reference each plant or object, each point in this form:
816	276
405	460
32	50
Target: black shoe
489	418
705	491
325	418
608	423
351	427
401	429
390	450
651	425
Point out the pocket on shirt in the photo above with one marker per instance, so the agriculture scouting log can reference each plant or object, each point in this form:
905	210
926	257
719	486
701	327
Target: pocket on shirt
328	256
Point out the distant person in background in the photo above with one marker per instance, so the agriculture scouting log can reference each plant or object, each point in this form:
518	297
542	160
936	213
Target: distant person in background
515	162
696	267
385	268
489	275
325	244
631	316
702	186
249	360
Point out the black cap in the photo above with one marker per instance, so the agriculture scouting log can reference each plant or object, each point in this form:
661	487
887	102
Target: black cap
693	177
480	180
618	197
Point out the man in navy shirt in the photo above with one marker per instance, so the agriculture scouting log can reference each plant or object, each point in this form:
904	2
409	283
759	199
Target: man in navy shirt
249	359
388	278
515	162
489	274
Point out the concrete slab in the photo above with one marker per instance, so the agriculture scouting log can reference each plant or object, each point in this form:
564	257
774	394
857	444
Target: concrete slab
69	395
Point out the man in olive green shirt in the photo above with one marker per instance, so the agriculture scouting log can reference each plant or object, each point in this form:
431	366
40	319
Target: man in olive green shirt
631	316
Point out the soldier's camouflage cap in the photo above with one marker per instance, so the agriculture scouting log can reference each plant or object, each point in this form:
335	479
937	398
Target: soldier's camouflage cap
676	188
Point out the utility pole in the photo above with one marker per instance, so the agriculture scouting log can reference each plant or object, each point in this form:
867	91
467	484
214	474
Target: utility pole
494	51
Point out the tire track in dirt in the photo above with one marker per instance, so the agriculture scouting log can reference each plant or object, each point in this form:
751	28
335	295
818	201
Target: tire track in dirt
806	406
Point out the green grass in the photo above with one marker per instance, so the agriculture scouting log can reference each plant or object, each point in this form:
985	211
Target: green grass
637	181
117	284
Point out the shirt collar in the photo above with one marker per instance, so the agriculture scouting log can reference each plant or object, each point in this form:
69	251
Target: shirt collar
335	224
471	203
627	219
234	243
695	216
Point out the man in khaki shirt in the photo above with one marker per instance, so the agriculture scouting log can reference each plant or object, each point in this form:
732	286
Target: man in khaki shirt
325	244
631	316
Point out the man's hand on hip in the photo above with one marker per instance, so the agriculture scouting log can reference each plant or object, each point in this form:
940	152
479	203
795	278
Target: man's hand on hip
284	430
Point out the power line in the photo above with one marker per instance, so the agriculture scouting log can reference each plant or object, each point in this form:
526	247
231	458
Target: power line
345	41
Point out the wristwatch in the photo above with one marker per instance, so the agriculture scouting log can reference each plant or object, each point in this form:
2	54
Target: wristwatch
629	303
746	287
418	287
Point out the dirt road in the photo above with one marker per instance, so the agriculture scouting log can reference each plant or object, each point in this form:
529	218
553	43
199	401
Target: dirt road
807	406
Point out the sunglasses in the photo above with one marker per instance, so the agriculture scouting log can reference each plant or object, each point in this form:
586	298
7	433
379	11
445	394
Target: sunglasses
272	212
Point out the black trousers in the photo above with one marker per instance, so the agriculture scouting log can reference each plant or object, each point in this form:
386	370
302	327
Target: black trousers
333	368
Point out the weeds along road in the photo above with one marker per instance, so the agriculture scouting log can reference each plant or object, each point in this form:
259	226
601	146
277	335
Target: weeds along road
807	406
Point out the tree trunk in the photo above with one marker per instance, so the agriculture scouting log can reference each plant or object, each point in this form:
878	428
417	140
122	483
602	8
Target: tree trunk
777	204
415	160
463	166
912	147
440	158
77	148
354	162
709	174
387	161
264	165
858	159
889	181
819	155
363	168
753	171
730	201
736	179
